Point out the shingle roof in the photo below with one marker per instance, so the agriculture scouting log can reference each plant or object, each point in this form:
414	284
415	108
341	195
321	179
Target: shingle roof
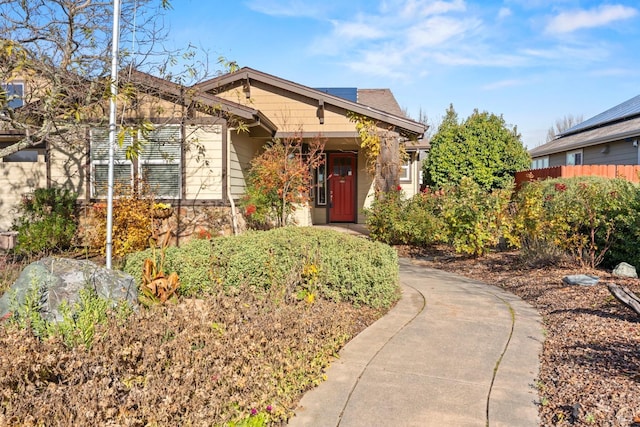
599	135
381	99
622	111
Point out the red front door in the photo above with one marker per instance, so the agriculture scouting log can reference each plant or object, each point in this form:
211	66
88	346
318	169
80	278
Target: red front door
342	187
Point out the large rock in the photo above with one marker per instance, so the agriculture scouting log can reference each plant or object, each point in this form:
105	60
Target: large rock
625	270
60	279
580	279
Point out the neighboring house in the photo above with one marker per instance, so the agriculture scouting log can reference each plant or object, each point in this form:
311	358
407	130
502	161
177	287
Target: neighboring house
196	158
609	138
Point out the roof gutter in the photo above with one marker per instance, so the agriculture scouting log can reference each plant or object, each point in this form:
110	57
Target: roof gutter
595	141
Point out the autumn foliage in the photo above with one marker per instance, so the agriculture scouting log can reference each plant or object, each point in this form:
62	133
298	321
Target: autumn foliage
280	177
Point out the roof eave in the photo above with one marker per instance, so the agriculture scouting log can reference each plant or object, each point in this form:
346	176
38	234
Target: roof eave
581	144
409	126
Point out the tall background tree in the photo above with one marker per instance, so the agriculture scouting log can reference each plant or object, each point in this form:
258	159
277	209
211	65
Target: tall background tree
61	51
567	122
483	148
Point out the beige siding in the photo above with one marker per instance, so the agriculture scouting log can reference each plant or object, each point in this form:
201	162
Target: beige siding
17	179
203	163
69	166
291	112
241	150
365	190
412	187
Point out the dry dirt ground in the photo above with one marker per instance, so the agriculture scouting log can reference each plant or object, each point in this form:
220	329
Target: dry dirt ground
590	363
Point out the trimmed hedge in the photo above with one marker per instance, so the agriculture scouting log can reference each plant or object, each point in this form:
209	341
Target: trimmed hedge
334	265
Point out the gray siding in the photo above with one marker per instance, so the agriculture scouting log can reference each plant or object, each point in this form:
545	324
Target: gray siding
618	153
558	159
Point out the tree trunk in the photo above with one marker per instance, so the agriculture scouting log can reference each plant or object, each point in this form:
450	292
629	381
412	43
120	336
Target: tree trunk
625	296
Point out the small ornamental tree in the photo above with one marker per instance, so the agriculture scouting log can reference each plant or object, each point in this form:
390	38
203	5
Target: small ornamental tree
280	177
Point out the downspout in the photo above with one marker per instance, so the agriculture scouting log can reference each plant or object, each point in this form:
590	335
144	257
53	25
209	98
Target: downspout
234	213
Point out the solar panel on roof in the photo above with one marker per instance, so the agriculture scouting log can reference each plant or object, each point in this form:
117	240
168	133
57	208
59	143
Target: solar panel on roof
628	108
348	93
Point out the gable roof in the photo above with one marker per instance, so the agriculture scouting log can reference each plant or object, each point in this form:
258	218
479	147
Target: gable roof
617	123
382	99
200	100
406	126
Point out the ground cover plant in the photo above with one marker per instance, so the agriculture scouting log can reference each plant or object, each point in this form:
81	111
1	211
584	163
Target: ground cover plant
240	354
296	260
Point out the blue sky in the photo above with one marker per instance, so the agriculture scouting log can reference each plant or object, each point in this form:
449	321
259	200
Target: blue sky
532	61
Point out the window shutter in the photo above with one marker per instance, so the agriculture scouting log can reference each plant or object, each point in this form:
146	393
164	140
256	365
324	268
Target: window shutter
100	145
121	177
162	144
160	161
122	168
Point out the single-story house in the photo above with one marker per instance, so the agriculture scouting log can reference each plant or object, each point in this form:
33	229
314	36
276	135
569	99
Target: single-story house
206	135
609	138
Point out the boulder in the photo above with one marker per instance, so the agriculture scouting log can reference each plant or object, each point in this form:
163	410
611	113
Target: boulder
625	270
60	279
580	279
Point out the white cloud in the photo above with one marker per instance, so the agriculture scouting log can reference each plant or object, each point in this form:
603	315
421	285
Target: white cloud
290	8
421	8
504	12
569	21
437	30
504	83
356	30
388	63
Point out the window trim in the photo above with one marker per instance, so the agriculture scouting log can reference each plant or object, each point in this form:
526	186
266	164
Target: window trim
573	153
544	160
406	168
320	186
137	165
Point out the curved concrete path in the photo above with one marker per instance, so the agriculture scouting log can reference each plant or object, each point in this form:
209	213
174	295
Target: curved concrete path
452	352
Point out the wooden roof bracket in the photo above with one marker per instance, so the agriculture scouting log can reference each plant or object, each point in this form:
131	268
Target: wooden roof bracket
320	112
246	88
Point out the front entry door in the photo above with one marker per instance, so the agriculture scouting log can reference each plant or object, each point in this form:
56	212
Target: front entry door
342	187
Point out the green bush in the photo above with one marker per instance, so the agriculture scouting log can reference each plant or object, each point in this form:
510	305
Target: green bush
46	221
586	217
475	219
345	268
398	221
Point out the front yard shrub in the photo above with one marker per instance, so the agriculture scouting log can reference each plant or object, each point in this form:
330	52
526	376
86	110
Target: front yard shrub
583	216
132	222
45	222
475	219
398	221
345	268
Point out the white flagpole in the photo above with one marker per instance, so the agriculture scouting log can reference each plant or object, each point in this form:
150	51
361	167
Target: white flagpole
112	127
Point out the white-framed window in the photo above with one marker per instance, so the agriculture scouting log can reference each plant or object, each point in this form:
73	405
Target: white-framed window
574	158
159	161
321	182
540	163
157	164
13	93
405	169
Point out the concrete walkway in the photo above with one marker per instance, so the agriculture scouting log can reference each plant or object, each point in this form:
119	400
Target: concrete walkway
452	352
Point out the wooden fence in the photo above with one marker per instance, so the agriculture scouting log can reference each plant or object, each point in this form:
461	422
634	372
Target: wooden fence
628	172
